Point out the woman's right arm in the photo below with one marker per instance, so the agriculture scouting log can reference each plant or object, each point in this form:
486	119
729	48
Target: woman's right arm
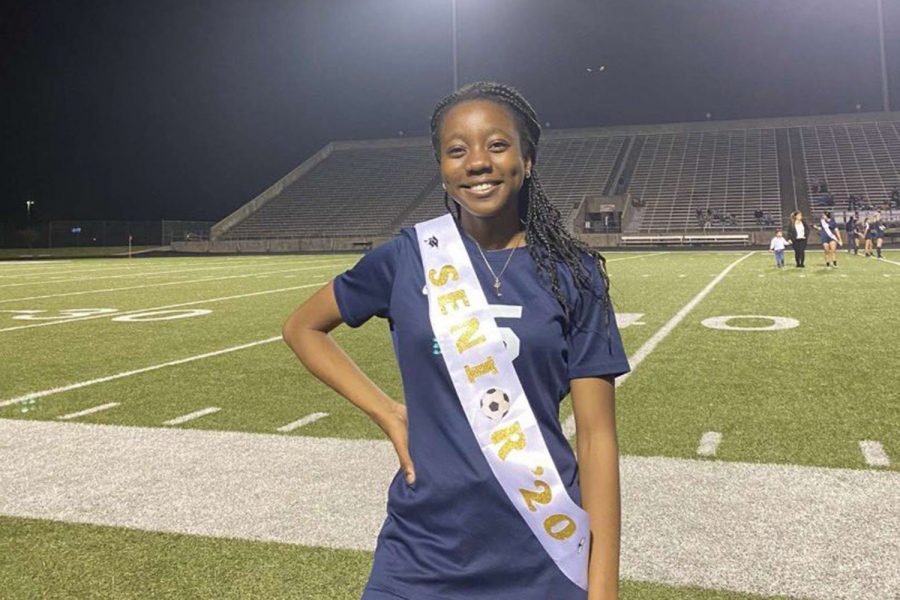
306	331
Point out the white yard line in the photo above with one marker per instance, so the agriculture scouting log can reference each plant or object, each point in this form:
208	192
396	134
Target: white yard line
141	310
874	454
638	357
709	443
877	260
142	264
611	260
194	415
311	418
88	411
138	274
122	265
766	529
172	363
155	285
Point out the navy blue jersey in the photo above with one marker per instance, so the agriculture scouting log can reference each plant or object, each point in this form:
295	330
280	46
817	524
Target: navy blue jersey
454	534
832	224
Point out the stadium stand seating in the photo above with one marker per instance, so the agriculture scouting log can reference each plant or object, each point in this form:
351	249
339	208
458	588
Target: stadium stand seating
853	158
368	190
729	172
354	191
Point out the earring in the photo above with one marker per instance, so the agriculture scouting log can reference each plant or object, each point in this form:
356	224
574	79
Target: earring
444	185
527	174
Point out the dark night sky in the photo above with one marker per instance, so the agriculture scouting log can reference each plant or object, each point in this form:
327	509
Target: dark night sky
184	109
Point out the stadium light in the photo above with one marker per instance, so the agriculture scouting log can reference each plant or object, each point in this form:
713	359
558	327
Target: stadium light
885	93
28	205
455	61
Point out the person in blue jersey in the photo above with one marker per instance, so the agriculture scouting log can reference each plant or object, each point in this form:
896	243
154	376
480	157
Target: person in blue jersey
874	234
831	238
451	531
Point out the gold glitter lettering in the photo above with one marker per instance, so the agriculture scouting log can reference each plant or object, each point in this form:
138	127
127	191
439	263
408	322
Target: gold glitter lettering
452	298
465	341
447	271
484	368
542	497
561	534
513	438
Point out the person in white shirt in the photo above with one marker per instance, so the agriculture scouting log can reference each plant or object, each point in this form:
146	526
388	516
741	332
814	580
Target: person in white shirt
798	230
777	246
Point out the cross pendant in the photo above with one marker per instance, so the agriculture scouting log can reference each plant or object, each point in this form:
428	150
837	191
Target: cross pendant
497	287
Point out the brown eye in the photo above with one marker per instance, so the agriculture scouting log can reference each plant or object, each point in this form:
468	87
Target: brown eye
499	145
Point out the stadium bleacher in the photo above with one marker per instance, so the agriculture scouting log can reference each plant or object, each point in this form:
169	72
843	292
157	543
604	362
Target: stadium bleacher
369	190
727	172
862	159
355	190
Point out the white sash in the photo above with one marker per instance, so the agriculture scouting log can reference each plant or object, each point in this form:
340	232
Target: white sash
486	384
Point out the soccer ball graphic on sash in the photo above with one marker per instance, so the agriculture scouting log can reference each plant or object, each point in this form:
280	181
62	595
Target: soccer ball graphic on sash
495	404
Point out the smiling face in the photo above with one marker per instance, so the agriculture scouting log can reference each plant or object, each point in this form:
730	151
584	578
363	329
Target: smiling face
482	165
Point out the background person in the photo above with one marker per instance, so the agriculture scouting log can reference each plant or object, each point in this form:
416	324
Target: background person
777	247
798	230
831	238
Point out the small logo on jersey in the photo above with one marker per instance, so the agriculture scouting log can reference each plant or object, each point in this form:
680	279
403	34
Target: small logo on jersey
435	347
495	404
432	241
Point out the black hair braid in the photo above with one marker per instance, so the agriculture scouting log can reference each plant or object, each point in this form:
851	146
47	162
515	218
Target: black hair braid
549	244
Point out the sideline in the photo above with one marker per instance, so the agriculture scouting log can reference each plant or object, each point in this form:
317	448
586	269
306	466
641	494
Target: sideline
767	529
638	357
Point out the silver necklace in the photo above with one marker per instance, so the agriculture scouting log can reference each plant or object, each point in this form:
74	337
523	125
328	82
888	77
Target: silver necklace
484	258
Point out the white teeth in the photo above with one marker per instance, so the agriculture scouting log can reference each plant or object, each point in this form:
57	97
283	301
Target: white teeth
482	187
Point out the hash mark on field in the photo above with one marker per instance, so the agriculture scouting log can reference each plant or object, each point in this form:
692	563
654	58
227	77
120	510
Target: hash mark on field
191	416
709	443
88	411
874	454
301	422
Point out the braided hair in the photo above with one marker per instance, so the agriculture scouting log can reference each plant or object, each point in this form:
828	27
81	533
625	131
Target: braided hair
549	244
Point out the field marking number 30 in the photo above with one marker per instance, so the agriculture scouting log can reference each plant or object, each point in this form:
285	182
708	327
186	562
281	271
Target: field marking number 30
75	313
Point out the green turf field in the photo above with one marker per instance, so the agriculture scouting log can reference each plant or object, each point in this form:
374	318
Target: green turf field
87	333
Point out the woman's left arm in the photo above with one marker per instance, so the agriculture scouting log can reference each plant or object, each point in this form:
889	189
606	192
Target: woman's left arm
597	451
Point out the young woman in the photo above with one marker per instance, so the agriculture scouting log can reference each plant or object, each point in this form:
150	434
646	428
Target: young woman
470	516
831	238
798	230
874	234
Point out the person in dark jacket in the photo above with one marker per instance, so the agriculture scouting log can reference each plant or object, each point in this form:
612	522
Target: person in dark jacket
798	232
